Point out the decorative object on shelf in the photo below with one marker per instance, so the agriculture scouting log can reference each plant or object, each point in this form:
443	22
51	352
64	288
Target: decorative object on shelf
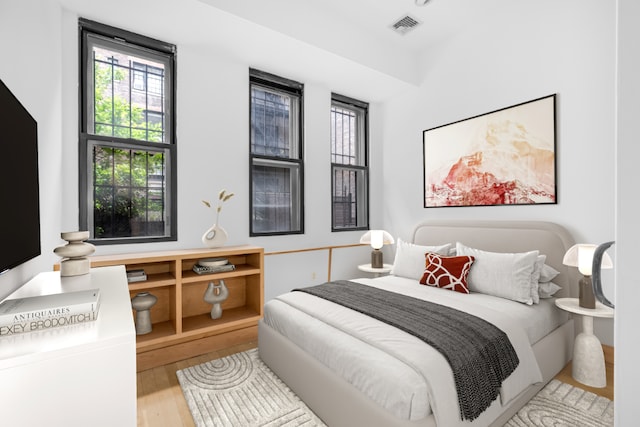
581	256
75	253
377	239
137	275
216	236
213	262
210	270
216	295
598	255
142	303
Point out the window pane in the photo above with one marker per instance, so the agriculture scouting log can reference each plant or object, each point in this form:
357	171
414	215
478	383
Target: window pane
275	154
275	193
128	95
129	192
349	190
127	141
273	123
343	136
349	164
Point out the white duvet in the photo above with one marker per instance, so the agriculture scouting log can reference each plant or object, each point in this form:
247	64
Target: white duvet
397	370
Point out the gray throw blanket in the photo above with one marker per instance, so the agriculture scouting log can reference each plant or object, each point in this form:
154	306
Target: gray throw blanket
480	354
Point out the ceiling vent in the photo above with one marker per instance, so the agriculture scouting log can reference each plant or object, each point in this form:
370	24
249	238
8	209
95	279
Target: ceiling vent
405	24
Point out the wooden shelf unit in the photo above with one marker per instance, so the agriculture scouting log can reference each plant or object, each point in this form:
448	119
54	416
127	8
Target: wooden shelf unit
182	325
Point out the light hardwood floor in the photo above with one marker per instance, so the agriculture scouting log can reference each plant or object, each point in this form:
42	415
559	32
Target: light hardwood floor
161	403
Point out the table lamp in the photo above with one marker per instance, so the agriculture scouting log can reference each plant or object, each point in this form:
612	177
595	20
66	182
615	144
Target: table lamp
581	256
377	239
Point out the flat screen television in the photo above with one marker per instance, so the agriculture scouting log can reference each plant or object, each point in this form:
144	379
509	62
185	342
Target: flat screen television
19	187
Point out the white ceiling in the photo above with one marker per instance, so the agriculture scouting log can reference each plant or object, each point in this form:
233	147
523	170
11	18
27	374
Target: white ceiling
360	29
440	19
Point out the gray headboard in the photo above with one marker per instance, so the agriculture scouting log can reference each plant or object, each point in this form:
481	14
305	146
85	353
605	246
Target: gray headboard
549	238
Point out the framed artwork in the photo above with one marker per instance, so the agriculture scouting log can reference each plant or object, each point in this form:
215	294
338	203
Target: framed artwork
505	157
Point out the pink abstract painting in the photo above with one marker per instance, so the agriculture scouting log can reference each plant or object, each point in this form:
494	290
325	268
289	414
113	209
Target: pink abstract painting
506	157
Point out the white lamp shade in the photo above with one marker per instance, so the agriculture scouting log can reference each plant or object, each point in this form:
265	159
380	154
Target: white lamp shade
581	256
377	238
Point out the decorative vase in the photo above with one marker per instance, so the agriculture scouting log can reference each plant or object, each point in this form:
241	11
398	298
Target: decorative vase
74	253
216	295
142	303
214	237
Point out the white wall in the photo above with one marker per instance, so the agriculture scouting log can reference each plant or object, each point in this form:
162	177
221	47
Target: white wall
627	343
215	52
522	52
31	69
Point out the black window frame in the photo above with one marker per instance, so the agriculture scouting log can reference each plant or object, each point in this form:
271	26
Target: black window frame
89	28
292	88
363	167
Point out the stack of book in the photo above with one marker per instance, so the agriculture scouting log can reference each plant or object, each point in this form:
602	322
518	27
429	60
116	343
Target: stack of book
48	311
213	265
136	275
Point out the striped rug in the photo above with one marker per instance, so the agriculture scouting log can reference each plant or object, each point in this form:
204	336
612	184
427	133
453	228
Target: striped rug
240	390
561	404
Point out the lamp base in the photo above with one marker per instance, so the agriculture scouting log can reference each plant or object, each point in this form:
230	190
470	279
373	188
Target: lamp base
376	259
586	297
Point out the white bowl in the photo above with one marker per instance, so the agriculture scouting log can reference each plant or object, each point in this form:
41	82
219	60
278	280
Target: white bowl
213	262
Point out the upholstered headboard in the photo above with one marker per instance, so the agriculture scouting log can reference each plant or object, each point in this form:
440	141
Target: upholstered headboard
549	238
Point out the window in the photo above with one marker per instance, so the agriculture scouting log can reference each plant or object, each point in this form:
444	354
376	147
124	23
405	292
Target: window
275	155
349	165
127	138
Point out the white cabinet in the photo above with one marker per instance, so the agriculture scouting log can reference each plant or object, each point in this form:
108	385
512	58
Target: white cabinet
76	375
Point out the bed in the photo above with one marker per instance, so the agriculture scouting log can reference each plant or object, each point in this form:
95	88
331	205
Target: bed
349	379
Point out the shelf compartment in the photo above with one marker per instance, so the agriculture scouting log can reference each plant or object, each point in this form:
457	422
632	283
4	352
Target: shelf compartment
193	302
190	276
164	309
161	332
231	318
155	280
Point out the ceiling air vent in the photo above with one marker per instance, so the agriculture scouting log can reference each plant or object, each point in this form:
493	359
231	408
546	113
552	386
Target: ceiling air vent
405	24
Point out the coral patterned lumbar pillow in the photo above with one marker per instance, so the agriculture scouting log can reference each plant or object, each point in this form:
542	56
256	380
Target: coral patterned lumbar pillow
447	272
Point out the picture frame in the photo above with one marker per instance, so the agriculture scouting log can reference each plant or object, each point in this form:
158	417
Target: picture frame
504	157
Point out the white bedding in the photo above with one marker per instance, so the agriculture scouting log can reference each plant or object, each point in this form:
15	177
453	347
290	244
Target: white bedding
392	367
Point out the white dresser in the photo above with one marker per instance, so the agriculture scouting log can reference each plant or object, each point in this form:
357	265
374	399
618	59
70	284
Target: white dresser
79	375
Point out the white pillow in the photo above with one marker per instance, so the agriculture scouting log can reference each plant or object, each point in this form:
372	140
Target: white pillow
505	275
535	278
547	289
548	273
410	258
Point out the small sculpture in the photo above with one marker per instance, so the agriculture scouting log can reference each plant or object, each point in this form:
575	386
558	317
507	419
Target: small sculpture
216	295
142	303
74	254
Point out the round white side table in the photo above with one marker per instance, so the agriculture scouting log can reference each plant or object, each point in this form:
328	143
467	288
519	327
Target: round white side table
588	357
385	269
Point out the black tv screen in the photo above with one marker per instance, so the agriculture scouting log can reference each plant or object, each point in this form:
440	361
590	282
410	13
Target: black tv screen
19	191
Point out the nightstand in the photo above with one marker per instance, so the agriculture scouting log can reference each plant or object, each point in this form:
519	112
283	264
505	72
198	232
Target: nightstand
588	358
385	269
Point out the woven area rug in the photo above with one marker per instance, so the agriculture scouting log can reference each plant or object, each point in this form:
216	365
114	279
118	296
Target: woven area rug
560	404
240	390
